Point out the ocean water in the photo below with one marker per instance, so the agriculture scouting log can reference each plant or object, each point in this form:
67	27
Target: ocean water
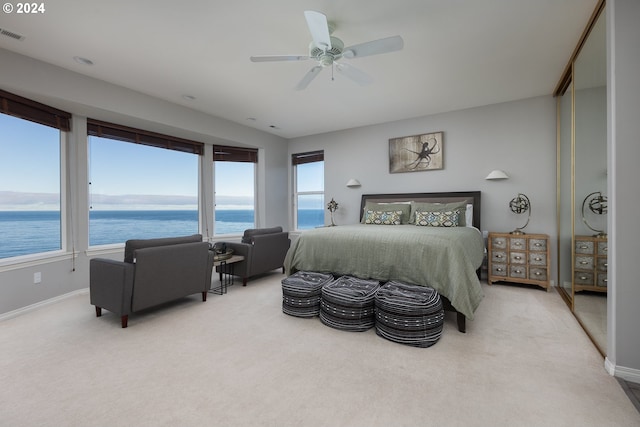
28	232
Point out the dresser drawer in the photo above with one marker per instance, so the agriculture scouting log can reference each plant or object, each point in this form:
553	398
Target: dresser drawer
517	258
537	258
537	273
517	244
602	264
499	270
499	242
602	248
518	271
583	278
584	247
538	245
602	280
584	263
499	257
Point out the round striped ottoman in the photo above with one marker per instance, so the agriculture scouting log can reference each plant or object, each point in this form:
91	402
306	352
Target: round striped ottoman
409	314
301	293
348	303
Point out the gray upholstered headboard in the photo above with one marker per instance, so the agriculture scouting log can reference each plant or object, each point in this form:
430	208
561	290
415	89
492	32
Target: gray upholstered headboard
472	197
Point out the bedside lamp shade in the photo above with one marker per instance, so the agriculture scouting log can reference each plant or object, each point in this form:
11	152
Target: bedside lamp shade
497	174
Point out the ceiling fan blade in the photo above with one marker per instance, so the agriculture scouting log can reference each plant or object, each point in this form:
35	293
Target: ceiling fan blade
375	47
309	77
270	58
354	74
319	29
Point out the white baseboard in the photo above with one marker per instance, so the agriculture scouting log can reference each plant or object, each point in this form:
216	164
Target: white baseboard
29	308
627	374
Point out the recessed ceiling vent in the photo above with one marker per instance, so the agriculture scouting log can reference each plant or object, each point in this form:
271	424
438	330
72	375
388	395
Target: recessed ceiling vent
11	34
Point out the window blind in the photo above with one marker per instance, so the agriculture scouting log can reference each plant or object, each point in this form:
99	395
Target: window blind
138	136
27	109
308	157
223	153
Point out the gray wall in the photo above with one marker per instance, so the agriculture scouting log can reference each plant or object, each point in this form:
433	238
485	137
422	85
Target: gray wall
518	137
623	334
86	97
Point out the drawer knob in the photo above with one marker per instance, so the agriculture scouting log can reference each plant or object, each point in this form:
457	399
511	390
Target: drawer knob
537	273
499	256
517	244
606	265
605	280
518	257
604	249
584	262
538	259
583	277
584	247
518	271
499	269
537	244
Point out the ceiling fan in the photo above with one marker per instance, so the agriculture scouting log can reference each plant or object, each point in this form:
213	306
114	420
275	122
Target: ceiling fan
328	50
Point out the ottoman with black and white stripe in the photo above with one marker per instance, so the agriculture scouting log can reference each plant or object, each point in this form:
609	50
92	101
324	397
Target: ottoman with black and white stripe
301	293
409	314
348	303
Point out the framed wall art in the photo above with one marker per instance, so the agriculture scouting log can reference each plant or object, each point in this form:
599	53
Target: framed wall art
416	153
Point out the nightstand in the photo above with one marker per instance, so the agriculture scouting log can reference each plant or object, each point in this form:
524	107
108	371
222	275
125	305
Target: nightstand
519	258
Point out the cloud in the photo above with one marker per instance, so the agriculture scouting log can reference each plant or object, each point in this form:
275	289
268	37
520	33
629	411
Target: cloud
10	200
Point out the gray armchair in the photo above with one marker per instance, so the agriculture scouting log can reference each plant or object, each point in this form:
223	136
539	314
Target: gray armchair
263	250
154	271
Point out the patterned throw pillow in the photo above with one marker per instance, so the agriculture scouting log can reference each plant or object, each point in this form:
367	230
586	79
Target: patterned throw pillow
383	218
438	219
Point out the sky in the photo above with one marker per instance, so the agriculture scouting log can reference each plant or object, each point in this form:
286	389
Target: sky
166	179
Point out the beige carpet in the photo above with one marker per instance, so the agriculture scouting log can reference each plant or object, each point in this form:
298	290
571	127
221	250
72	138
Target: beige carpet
237	360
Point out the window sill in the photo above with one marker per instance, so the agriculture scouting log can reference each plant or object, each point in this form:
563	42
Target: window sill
24	261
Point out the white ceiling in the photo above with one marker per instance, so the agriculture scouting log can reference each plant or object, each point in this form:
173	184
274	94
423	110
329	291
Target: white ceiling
457	54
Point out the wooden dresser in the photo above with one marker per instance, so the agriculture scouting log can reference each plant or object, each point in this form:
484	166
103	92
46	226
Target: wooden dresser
519	258
590	264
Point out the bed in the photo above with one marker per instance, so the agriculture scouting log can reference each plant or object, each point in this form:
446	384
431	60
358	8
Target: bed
446	258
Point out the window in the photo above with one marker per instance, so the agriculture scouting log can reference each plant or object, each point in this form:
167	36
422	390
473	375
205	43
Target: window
234	184
308	172
30	176
141	185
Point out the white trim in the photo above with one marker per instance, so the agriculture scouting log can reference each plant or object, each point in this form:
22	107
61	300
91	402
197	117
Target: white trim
32	307
627	374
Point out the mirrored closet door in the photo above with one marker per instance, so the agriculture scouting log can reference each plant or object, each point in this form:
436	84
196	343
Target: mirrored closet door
582	183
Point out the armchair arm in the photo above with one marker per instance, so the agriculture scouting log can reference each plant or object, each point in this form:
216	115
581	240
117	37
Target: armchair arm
111	285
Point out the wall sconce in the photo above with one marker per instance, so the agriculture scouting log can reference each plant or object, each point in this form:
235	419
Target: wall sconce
352	183
496	175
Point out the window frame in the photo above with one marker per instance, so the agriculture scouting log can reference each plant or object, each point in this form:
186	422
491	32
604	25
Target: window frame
26	109
300	159
226	153
121	133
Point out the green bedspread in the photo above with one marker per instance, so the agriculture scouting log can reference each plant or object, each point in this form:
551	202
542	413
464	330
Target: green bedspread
445	259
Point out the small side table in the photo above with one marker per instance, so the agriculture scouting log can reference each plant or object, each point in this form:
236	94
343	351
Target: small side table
226	275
